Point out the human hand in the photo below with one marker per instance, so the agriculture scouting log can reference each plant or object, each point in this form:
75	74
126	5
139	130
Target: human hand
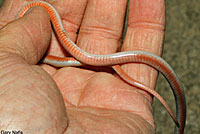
91	102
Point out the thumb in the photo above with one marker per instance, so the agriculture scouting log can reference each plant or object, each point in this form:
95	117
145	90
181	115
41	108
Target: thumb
26	39
30	101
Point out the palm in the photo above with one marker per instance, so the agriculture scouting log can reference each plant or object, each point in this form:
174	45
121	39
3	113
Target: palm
98	101
95	102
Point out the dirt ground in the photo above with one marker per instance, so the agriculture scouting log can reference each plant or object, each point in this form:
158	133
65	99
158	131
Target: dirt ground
181	49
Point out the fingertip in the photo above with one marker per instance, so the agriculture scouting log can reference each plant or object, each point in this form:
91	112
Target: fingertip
28	37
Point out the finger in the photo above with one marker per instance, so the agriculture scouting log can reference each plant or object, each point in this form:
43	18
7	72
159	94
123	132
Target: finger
25	41
9	10
26	38
145	32
102	26
71	13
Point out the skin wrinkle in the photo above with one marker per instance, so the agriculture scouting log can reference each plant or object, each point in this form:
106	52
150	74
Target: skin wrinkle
10	73
29	34
151	13
27	100
10	49
67	100
148	25
132	114
104	15
2	104
67	103
141	48
17	51
10	6
12	111
11	13
148	101
109	119
116	120
137	112
89	112
67	14
95	43
8	63
147	22
34	113
68	91
84	88
73	28
104	108
41	91
146	95
47	81
35	69
80	124
136	74
74	120
98	115
43	95
7	99
29	120
31	38
135	123
87	47
5	85
40	115
2	23
30	101
101	22
42	33
105	32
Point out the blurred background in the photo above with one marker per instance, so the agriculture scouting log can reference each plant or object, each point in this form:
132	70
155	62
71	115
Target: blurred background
181	49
